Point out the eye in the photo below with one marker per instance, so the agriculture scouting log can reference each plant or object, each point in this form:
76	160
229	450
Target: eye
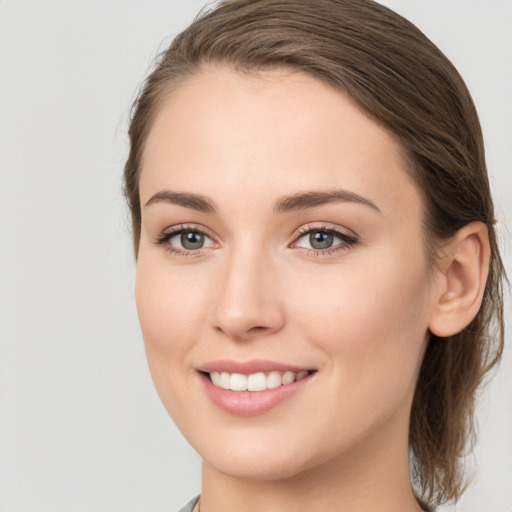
184	240
189	240
320	239
324	239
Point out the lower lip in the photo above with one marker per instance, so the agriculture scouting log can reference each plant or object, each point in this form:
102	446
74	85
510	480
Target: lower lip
251	403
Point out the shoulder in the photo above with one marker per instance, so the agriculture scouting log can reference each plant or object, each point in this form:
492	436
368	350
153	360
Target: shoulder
190	505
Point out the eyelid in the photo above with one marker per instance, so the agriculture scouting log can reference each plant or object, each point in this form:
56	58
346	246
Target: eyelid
177	228
324	226
348	237
163	237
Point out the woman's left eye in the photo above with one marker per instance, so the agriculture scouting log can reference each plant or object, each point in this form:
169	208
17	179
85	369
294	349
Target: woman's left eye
324	240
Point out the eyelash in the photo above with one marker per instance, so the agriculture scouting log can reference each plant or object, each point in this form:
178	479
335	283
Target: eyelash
348	239
164	237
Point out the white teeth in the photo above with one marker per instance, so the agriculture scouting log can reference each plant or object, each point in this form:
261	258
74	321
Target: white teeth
238	382
288	378
224	380
216	379
256	381
273	380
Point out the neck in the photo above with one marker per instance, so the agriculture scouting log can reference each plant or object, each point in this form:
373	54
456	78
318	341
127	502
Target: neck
373	476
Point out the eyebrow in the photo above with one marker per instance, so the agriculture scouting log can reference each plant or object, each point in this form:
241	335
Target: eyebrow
305	200
196	202
299	201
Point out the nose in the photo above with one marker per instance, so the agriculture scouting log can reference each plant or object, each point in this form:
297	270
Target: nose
248	304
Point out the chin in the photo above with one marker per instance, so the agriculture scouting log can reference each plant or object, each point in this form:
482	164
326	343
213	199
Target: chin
255	460
257	469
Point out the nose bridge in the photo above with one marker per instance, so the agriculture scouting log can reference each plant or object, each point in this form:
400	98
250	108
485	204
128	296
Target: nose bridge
248	301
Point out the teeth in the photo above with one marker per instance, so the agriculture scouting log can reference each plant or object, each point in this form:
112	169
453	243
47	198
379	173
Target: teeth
288	378
216	379
256	381
273	380
224	380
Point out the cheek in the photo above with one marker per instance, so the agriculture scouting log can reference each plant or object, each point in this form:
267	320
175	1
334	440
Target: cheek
169	309
371	322
371	325
167	305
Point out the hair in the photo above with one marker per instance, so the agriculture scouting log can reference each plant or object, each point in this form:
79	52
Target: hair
395	74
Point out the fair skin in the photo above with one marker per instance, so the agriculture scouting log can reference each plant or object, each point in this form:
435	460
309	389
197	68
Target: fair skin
338	287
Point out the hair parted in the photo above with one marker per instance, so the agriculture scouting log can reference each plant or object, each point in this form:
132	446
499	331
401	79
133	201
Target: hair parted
395	74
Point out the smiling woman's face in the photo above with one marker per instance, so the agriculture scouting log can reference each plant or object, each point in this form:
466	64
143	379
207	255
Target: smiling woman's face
280	235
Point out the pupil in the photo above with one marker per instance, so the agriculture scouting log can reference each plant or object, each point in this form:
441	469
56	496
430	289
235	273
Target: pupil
192	240
320	240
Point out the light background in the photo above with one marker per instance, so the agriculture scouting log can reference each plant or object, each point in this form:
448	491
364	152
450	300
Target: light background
81	427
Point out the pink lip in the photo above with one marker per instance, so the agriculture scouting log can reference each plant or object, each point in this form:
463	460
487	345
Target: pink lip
250	403
248	367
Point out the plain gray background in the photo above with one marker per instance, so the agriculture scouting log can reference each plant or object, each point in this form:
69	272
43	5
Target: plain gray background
81	427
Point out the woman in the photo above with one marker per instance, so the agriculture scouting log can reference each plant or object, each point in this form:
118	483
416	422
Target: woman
319	285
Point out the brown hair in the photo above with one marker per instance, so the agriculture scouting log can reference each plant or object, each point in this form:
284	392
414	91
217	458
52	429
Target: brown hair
400	78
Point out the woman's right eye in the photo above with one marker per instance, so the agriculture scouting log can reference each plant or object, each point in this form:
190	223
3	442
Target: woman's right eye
189	240
184	240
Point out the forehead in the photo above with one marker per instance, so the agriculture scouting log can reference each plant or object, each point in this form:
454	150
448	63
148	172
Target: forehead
268	134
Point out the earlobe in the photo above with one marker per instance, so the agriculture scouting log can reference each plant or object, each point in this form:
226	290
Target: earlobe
461	285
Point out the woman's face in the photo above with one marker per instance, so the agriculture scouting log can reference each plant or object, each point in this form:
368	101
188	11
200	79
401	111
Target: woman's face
280	235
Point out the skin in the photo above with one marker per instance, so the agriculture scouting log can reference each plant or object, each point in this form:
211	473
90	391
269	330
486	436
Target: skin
358	315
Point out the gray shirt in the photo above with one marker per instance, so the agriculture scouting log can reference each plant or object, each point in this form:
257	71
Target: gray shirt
190	505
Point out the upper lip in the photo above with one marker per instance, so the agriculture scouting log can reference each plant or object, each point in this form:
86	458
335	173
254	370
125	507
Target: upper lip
250	367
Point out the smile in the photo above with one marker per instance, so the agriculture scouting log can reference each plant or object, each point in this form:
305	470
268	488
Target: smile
252	388
256	381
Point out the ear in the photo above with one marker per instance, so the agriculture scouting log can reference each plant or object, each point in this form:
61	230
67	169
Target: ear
464	268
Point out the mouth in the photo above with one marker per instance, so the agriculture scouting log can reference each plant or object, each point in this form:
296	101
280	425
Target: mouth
252	388
259	381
